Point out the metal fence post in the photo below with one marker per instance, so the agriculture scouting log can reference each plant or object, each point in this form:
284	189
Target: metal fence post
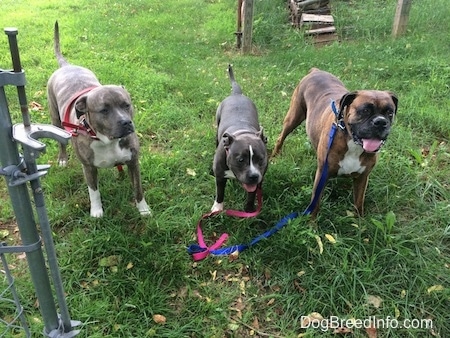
19	171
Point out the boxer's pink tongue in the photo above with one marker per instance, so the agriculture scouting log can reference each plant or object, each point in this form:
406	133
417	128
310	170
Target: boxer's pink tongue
250	187
371	145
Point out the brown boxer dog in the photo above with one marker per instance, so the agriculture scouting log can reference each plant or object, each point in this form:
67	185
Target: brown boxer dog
364	120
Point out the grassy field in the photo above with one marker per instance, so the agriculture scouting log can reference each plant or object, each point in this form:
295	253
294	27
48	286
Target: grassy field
122	270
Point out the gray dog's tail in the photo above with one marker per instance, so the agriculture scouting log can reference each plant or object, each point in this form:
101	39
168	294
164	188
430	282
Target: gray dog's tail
235	88
59	57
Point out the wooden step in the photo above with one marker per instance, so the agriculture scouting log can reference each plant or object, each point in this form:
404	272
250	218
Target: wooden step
319	31
307	18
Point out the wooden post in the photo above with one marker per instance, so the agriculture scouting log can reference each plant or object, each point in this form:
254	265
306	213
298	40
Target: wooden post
248	26
239	25
401	17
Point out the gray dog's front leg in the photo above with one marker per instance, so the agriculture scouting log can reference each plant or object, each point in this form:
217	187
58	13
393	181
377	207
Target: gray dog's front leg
135	176
90	172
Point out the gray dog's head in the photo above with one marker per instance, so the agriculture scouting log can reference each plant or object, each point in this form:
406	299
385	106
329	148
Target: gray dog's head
246	157
369	115
108	110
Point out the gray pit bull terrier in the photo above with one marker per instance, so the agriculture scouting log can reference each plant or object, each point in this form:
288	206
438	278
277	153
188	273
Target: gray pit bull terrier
100	120
241	151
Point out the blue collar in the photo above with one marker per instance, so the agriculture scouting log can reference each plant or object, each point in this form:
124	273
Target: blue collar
339	116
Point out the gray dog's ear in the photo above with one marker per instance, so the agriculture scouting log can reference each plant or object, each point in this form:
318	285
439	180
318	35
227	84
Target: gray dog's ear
227	140
347	100
260	134
80	106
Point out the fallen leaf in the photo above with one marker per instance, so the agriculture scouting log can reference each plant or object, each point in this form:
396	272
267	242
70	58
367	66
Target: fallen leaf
109	261
403	294
298	287
35	106
313	317
255	323
233	256
129	266
300	273
233	326
159	319
267	274
330	238
342	330
375	301
397	312
191	172
435	288
371	332
242	287
319	243
4	233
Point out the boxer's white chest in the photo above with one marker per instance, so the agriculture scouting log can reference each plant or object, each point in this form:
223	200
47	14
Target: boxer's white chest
351	163
110	154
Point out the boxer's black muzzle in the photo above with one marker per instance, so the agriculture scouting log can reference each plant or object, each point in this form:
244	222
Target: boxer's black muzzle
372	133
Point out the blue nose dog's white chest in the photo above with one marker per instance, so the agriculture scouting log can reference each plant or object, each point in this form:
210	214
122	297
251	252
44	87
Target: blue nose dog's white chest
107	155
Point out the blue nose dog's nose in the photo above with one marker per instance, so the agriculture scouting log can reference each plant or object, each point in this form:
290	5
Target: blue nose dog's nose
253	177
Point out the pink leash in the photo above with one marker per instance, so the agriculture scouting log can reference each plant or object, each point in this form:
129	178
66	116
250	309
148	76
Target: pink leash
201	250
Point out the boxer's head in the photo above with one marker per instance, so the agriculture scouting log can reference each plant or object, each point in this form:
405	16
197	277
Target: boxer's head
368	115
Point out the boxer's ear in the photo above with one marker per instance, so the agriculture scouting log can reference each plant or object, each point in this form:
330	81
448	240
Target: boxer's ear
347	100
227	139
260	134
80	106
395	99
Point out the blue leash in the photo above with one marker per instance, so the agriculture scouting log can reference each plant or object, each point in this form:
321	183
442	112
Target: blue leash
197	250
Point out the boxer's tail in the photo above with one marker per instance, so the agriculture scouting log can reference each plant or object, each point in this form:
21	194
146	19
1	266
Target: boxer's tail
59	57
235	88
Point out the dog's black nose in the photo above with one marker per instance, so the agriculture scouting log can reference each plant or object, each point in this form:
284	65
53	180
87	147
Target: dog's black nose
253	178
126	125
380	122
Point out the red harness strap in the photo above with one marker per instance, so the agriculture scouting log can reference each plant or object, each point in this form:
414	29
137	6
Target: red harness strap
82	127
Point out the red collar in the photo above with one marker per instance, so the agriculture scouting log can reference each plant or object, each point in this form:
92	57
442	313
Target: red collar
82	127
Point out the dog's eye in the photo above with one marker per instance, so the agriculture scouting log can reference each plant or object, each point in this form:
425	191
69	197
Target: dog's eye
126	106
104	111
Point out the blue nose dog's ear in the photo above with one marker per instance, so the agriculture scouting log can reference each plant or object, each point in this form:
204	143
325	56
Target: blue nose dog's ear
81	106
227	140
260	134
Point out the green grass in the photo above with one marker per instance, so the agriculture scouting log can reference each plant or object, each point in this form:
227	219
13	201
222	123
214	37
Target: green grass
172	56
